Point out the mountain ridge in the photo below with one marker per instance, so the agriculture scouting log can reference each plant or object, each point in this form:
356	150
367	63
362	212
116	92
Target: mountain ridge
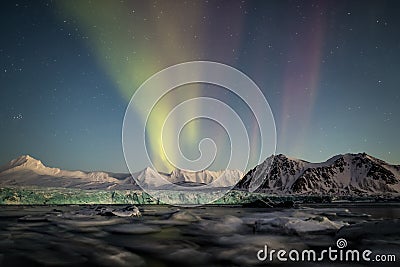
343	174
28	171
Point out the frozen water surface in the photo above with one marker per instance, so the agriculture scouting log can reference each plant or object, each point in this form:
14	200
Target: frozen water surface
115	235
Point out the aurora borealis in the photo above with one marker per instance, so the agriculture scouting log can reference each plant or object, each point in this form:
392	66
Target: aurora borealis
329	70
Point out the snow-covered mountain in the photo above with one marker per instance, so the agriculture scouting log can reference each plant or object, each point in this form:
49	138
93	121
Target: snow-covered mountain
349	174
27	171
226	178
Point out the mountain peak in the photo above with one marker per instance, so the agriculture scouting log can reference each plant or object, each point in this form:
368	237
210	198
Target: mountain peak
26	158
23	161
350	156
149	171
284	158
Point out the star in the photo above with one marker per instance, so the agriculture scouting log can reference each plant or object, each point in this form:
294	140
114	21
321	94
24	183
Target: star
17	117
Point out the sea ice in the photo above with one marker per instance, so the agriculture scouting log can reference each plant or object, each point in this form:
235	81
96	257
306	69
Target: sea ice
297	223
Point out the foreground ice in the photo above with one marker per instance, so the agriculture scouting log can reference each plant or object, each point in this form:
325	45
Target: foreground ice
169	236
314	224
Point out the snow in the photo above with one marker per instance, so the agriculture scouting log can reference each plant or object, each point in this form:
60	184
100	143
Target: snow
27	171
151	179
348	174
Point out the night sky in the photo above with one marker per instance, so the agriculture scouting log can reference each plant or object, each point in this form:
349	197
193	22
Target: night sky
330	71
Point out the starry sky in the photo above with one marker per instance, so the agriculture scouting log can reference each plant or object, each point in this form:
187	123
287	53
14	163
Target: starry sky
329	70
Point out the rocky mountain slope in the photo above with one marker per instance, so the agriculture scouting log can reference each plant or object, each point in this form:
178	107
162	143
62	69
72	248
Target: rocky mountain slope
348	174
